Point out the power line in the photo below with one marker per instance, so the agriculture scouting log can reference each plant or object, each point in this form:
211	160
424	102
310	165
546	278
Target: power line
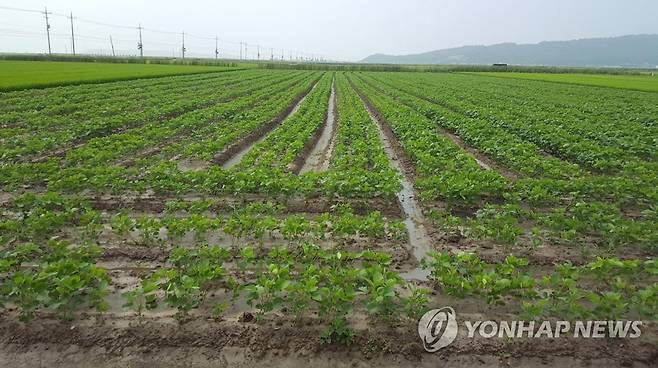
72	34
47	30
140	45
20	9
183	48
47	14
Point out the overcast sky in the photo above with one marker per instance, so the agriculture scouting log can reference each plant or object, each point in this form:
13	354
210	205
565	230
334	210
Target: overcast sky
336	29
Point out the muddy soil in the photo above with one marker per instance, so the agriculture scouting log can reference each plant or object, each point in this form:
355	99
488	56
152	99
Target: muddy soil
148	203
200	342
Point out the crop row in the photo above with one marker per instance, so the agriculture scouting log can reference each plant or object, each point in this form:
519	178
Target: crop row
303	280
35	100
555	180
596	142
61	111
531	208
164	105
99	151
37	218
606	288
280	148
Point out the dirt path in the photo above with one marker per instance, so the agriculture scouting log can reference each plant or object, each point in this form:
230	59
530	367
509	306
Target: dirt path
234	154
320	156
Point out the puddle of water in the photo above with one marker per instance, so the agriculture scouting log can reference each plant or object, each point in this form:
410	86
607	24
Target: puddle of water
320	156
235	159
419	239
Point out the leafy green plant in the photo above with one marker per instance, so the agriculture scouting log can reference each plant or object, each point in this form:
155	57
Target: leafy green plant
53	276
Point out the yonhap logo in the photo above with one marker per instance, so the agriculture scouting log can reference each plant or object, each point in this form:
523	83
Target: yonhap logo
438	328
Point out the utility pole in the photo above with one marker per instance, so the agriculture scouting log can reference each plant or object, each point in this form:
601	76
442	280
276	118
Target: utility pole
183	48
283	56
216	48
258	52
47	30
112	44
72	35
246	54
140	45
271	54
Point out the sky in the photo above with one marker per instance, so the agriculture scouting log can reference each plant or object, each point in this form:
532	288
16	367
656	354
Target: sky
333	29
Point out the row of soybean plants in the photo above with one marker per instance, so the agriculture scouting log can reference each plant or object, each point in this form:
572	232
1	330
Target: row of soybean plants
39	130
573	129
280	148
359	166
541	208
40	217
555	180
91	165
298	279
295	277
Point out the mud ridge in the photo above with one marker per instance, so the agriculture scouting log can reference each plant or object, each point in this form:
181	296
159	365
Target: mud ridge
108	338
246	142
388	208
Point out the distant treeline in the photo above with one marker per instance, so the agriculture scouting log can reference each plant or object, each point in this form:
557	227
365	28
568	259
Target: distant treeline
532	69
451	68
336	67
322	66
120	59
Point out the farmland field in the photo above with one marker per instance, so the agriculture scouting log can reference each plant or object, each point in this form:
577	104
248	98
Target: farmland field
647	83
29	74
311	217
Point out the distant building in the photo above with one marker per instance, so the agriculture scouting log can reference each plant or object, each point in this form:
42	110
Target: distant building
500	64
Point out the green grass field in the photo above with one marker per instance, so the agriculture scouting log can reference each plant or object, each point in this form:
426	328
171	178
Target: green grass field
31	74
645	83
